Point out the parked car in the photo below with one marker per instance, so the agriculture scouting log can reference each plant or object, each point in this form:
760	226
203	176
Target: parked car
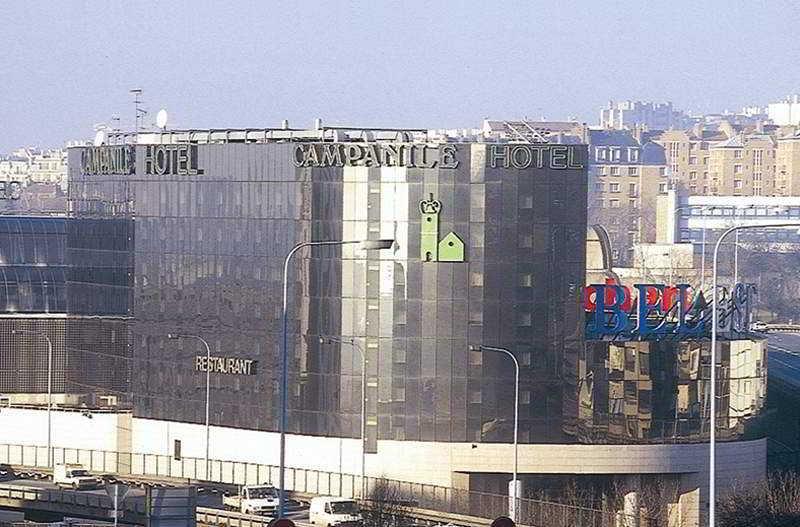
75	476
253	499
759	325
328	511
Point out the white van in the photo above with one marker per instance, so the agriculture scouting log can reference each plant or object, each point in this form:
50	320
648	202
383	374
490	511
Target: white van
327	511
75	476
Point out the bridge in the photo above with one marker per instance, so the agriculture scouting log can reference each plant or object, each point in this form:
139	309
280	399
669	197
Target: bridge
427	504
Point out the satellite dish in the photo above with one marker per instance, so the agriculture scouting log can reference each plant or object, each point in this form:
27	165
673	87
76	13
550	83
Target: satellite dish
100	138
161	119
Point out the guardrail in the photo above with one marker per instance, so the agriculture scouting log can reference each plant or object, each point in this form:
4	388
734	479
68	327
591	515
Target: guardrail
784	328
430	502
206	516
69	502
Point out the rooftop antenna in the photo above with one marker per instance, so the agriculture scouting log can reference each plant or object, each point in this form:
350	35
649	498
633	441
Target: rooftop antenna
161	119
137	93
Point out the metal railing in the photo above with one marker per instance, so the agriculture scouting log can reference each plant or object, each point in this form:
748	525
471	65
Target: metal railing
67	497
428	501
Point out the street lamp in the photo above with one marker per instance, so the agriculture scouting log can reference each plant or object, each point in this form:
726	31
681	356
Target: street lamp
702	208
176	336
514	485
713	391
355	346
736	244
365	245
49	388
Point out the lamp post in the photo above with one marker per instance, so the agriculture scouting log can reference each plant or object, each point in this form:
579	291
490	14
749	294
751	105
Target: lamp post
703	208
736	245
178	336
365	245
355	346
713	384
49	388
514	495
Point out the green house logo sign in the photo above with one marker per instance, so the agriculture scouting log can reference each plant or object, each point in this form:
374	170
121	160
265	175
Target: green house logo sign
431	249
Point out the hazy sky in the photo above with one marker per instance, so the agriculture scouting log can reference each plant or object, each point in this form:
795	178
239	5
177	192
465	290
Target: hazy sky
68	65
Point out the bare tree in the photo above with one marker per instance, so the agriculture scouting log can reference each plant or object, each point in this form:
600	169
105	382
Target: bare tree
772	503
386	505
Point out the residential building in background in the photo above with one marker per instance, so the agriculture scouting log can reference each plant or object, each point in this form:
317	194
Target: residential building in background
650	115
787	161
626	173
33	180
743	165
785	112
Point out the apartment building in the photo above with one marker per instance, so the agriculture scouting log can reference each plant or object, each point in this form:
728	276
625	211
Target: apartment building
787	165
626	173
688	156
744	165
785	112
31	166
654	116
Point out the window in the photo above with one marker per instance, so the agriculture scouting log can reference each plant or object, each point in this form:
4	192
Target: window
705	161
737	154
693	189
693	176
601	171
398	393
476	279
662	187
525	279
616	153
705	175
737	169
632	203
613	187
599	187
600	154
662	171
614	171
613	203
737	183
632	190
526	202
475	396
757	176
633	171
692	160
526	240
633	155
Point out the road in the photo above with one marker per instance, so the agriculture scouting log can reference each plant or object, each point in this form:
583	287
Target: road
209	497
784	358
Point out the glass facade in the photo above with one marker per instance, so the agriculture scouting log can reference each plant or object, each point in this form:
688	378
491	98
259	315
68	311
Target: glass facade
658	392
208	259
41	287
33	268
211	236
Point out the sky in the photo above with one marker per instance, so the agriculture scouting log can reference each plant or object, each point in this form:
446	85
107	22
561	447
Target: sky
68	65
